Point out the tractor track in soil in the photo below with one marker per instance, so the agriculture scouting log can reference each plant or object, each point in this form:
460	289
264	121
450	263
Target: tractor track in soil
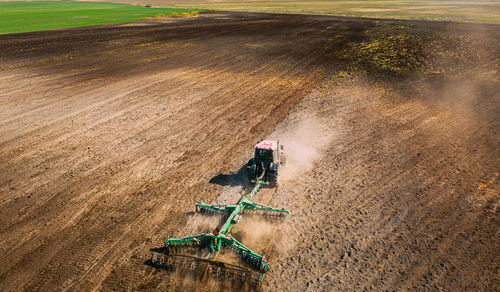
110	134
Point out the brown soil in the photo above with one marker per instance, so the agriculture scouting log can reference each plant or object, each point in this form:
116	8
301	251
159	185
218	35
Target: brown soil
109	135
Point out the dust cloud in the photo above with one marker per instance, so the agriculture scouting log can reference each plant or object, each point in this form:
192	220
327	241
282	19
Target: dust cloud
304	140
200	223
264	237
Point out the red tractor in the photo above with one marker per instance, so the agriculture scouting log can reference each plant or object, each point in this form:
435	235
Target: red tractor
265	165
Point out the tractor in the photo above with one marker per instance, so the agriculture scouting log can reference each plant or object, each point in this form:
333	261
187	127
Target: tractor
200	253
265	165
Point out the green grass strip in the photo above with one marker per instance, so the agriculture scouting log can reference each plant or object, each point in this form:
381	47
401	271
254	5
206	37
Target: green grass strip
16	17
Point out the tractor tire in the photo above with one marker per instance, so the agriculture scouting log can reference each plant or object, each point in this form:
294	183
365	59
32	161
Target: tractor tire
251	171
274	180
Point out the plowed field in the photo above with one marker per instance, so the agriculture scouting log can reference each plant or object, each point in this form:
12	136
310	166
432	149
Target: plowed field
110	134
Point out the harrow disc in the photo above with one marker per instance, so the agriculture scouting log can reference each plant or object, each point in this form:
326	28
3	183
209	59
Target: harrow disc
202	268
188	249
266	215
209	211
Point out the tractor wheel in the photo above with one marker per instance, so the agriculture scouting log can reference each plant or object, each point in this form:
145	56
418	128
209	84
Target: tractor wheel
251	173
274	180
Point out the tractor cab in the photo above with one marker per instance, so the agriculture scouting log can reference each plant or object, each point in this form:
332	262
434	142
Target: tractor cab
267	151
269	156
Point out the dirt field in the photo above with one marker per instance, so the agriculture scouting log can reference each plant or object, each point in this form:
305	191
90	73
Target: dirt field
109	135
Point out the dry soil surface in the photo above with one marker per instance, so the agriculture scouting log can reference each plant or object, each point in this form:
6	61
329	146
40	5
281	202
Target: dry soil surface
110	134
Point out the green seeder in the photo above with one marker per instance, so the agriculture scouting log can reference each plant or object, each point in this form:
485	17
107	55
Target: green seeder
254	265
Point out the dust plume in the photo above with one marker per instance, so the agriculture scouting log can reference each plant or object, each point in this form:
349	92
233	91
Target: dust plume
304	140
264	237
199	223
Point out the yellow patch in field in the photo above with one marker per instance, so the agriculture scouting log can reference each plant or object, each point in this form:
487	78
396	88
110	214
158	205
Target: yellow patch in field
183	14
148	60
254	46
148	44
243	57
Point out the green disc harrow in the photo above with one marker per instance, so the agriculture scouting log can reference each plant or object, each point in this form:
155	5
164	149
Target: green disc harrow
205	247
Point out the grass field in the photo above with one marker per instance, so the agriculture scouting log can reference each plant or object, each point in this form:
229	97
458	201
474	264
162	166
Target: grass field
487	11
16	17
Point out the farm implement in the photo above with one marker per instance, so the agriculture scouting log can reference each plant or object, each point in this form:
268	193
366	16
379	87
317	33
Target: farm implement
201	253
